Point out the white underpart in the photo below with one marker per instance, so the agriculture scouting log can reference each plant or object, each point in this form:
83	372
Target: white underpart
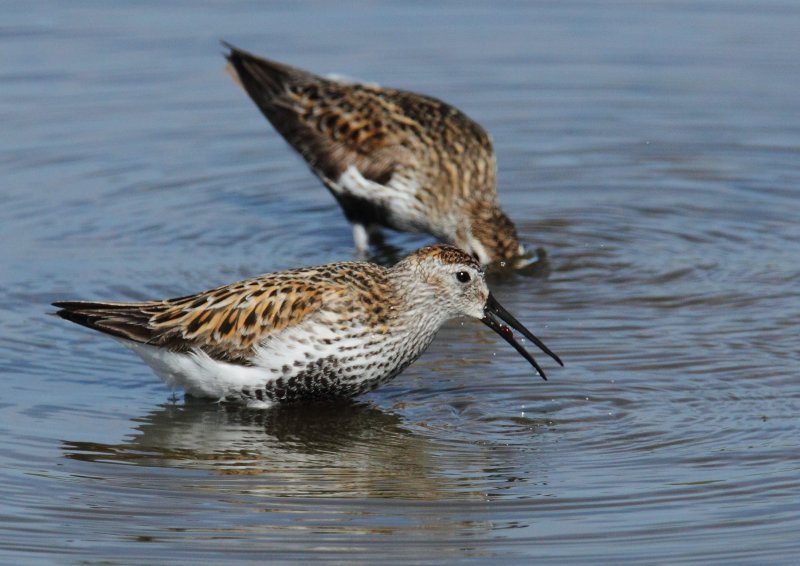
200	375
292	344
196	372
398	197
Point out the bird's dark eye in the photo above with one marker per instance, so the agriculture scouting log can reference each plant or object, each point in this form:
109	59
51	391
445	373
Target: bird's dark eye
462	276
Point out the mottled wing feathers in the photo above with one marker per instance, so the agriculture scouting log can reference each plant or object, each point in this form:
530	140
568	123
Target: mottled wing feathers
226	323
332	125
390	157
240	316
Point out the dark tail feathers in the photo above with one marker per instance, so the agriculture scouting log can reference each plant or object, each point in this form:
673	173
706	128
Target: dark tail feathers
123	320
262	78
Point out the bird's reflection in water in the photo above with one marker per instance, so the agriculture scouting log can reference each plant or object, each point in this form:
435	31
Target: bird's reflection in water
329	449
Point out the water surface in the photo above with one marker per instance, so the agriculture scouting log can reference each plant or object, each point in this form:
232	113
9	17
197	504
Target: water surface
652	149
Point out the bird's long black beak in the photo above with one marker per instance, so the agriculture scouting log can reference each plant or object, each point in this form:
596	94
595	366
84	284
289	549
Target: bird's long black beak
494	310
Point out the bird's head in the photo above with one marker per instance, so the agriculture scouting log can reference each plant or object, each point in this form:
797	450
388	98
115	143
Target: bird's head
455	286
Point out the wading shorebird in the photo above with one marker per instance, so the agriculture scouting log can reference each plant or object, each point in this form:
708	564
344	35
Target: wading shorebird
391	158
332	331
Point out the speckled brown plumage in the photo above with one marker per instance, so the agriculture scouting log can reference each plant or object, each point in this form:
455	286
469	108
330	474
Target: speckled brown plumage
390	157
335	330
228	322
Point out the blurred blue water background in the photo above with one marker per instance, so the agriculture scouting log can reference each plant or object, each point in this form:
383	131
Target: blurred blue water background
652	148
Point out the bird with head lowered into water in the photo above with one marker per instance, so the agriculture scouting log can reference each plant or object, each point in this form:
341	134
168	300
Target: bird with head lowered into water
391	158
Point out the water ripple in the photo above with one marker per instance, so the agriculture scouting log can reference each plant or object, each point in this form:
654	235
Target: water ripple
652	161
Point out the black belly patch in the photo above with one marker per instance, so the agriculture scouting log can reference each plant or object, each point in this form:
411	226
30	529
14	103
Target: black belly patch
359	210
323	379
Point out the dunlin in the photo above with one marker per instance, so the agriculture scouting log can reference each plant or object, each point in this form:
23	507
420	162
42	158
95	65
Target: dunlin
331	331
391	158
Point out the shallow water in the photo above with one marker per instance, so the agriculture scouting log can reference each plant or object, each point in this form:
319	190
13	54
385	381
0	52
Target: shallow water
651	149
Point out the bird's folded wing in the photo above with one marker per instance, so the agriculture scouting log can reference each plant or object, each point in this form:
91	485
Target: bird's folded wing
333	125
226	323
